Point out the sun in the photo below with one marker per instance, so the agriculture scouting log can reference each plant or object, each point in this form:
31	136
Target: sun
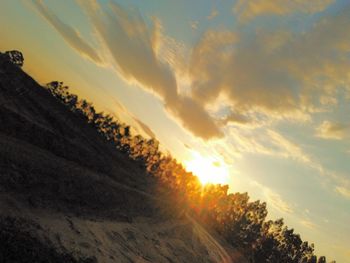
207	169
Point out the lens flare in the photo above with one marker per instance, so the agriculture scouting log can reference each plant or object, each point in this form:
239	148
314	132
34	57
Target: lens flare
207	169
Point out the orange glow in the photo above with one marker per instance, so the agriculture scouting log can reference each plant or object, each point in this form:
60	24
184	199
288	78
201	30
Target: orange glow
207	169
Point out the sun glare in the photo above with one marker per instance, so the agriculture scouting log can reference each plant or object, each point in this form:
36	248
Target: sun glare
208	170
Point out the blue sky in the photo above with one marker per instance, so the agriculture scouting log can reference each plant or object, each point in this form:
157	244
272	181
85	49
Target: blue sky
260	86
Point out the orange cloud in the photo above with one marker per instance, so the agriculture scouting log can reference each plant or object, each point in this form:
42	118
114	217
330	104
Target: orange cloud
145	128
343	191
333	130
134	49
308	223
248	9
276	73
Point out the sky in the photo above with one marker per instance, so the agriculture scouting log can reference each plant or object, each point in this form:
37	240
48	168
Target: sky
259	88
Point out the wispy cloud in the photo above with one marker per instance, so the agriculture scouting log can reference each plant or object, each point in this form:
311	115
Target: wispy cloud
214	13
146	129
277	201
274	199
293	151
194	25
272	143
333	130
234	117
69	34
121	110
266	74
343	191
249	9
288	149
308	223
134	49
275	72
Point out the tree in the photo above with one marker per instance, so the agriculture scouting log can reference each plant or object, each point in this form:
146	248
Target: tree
16	57
58	90
238	220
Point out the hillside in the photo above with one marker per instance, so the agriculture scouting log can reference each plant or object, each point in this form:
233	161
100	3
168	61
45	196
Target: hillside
69	196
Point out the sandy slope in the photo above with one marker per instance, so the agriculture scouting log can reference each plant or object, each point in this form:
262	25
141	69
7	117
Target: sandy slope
145	239
67	196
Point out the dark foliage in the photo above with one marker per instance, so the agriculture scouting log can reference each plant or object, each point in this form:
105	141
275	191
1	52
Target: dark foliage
16	57
240	221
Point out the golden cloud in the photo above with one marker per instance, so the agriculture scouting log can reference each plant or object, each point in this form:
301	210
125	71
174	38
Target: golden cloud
343	191
135	50
249	9
333	130
279	73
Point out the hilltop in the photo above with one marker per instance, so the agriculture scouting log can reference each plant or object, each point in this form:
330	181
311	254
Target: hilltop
67	195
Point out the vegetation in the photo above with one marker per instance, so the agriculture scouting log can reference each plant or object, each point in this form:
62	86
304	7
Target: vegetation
16	57
240	221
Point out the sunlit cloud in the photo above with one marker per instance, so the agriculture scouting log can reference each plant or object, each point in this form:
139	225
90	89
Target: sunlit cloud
274	199
245	141
214	13
288	149
333	130
269	73
132	45
121	110
272	143
265	88
146	129
345	192
194	25
235	118
69	34
249	9
279	73
265	77
174	53
277	201
308	223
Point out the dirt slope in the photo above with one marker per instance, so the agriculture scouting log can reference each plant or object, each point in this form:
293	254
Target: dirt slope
68	196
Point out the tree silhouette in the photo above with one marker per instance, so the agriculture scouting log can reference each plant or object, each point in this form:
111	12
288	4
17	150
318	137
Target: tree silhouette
16	57
241	222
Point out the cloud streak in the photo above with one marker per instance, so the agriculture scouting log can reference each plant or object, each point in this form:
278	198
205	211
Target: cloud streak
263	75
214	13
268	74
249	9
274	199
133	46
333	130
343	191
272	143
289	149
145	128
69	34
308	223
278	73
